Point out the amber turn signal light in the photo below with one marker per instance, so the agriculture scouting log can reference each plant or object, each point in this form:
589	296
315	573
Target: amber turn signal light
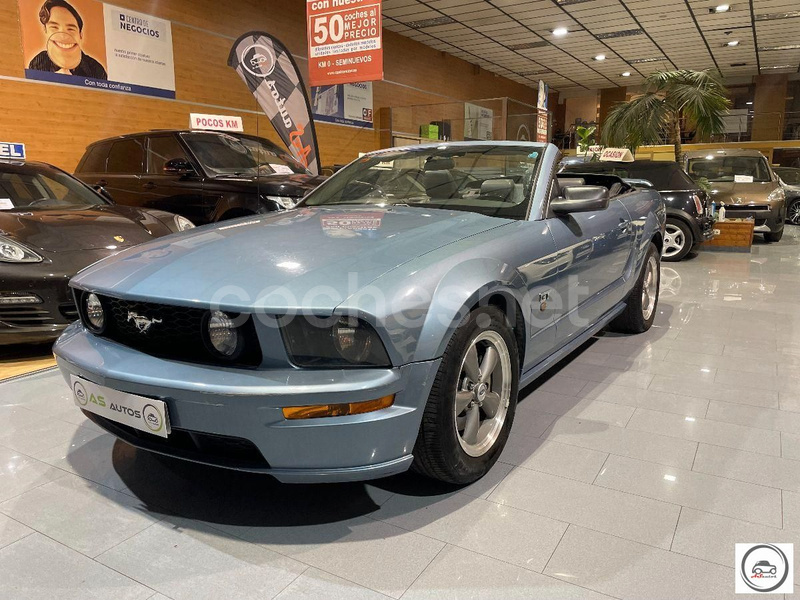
337	410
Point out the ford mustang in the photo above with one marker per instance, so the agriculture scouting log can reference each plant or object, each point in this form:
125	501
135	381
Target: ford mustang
385	323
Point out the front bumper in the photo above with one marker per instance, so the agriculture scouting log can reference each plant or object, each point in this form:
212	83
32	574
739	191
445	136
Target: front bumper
766	221
223	404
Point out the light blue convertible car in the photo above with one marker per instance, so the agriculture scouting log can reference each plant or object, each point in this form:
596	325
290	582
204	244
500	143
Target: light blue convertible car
385	323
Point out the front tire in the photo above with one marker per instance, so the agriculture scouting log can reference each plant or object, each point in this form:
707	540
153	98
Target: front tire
640	309
793	213
678	240
472	403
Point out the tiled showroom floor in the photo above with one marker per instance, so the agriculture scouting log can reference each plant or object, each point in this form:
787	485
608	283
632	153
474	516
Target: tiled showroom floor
631	472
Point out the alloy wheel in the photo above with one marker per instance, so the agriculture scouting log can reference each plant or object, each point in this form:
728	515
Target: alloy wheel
794	213
674	241
483	394
650	288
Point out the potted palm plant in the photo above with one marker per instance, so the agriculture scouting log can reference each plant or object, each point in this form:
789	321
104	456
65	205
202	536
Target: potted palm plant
671	101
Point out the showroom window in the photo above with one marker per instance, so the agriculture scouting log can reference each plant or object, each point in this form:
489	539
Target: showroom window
160	150
126	156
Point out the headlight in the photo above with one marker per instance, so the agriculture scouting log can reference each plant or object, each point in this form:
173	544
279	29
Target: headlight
223	336
776	196
182	223
94	313
16	253
349	342
286	202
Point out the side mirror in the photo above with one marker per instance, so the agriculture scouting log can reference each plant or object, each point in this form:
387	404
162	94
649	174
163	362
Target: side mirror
178	166
583	198
103	192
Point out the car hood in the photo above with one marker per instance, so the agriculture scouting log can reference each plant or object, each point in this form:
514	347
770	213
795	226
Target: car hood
295	186
92	228
309	258
741	193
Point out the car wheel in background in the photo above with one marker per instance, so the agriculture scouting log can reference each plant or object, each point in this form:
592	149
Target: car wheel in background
472	403
774	236
678	240
641	305
793	214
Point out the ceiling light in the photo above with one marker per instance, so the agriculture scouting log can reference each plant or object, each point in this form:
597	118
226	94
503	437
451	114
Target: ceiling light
626	74
618	34
732	43
787	47
528	45
600	57
444	20
779	67
778	16
638	61
722	8
749	103
560	31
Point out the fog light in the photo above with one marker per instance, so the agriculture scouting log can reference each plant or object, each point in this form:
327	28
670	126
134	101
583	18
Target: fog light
95	315
337	410
222	334
12	298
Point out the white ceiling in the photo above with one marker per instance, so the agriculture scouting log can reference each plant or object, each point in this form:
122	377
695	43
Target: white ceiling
639	36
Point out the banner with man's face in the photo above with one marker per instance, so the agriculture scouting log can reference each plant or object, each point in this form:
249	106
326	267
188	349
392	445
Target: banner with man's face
270	72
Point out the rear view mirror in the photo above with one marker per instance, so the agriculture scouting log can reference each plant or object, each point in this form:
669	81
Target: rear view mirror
582	198
178	166
103	192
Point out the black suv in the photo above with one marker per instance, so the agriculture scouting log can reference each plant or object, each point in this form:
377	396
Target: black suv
205	176
689	220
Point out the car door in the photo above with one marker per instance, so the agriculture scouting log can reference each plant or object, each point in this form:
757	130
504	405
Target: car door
124	172
593	252
181	194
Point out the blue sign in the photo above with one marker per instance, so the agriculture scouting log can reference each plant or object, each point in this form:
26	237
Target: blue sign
11	150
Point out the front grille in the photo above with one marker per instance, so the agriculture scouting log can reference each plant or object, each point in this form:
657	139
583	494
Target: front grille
30	315
220	450
746	207
175	332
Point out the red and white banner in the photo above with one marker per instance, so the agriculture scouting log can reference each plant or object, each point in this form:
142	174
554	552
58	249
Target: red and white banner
345	41
216	122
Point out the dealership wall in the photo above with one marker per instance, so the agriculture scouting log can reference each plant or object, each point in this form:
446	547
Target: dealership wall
57	122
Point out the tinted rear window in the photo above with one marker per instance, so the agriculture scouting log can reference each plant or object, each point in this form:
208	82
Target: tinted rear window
126	156
95	159
668	176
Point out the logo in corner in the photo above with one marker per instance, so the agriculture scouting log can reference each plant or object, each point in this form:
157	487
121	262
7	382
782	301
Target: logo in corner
152	418
143	324
765	568
258	60
80	393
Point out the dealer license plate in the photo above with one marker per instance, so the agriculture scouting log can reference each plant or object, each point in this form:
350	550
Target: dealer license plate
144	414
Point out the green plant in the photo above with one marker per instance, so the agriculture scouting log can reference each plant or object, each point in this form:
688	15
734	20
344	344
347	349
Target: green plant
671	100
585	137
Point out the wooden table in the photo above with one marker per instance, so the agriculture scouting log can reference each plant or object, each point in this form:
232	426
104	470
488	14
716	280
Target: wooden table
731	235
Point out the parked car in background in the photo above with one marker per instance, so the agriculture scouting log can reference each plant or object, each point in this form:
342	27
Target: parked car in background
689	220
205	176
51	227
790	180
413	294
746	184
790	175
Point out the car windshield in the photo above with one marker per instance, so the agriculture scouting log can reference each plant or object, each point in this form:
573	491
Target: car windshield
789	175
487	179
739	169
665	176
32	188
225	154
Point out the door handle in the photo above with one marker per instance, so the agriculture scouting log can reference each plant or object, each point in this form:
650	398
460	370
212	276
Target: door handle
149	185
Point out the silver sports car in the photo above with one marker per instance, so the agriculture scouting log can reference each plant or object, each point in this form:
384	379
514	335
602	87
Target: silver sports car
385	323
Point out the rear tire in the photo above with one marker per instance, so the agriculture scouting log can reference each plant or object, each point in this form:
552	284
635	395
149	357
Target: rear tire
773	236
678	240
642	303
467	419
